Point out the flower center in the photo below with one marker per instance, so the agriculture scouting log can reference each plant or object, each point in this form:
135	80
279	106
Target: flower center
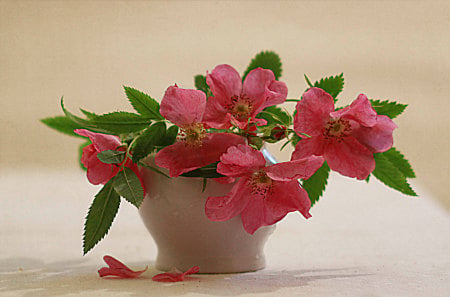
337	128
192	134
261	184
241	107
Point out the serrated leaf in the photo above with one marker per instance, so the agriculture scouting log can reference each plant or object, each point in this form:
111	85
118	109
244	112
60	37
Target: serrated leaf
169	137
80	153
83	123
399	161
146	142
127	184
208	171
88	114
143	103
111	156
120	122
267	60
390	175
62	124
388	108
100	216
316	184
308	81
275	115
200	84
333	85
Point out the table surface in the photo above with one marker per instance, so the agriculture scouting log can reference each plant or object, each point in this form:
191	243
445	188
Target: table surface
363	240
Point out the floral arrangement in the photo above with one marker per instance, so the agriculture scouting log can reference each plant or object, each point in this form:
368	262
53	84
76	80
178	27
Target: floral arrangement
216	132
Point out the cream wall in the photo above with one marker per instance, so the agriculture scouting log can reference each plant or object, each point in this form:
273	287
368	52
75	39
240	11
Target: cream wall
86	51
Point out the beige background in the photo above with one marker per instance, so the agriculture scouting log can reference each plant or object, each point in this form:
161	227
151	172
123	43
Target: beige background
86	51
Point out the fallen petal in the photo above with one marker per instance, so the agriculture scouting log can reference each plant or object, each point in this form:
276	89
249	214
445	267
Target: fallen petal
175	275
117	268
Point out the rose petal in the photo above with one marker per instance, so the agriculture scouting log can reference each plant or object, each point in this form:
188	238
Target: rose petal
360	111
225	82
377	138
183	106
313	146
117	268
227	207
293	170
175	275
349	158
256	85
313	112
216	116
101	142
240	160
180	158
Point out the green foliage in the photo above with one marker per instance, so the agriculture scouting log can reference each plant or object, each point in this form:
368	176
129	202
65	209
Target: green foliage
146	142
100	216
80	152
388	108
399	161
308	81
208	171
200	84
62	124
111	156
110	123
389	170
127	184
333	85
267	60
275	115
143	103
120	122
170	136
315	185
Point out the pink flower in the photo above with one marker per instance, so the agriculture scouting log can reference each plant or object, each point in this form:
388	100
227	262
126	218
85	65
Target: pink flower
263	195
97	171
235	103
194	147
346	138
117	268
175	275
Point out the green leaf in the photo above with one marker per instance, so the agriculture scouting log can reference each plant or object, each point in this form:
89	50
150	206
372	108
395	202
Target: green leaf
100	216
88	114
146	142
200	84
275	115
388	108
308	81
80	152
333	85
120	122
205	182
85	124
390	175
153	169
127	185
316	184
267	60
208	171
111	156
143	103
399	161
169	137
62	124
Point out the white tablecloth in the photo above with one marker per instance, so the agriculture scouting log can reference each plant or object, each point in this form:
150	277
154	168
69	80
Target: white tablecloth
363	240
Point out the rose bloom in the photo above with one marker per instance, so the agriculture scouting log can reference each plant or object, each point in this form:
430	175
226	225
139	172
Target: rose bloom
347	138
